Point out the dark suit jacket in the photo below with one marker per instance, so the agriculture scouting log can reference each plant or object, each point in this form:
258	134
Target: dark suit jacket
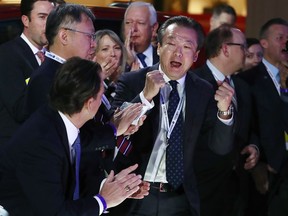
214	172
40	83
201	125
155	56
269	115
102	135
37	177
17	63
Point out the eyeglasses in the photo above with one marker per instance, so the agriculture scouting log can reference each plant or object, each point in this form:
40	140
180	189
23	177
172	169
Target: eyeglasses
242	46
91	35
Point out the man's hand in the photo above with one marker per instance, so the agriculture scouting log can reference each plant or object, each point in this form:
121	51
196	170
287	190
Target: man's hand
142	192
122	119
154	81
117	188
134	128
223	96
109	66
253	157
130	48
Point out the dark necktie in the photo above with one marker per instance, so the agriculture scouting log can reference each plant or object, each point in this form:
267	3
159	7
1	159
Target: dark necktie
174	152
41	56
234	101
142	57
76	155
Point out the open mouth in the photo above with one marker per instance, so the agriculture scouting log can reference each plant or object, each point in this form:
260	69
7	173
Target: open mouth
175	64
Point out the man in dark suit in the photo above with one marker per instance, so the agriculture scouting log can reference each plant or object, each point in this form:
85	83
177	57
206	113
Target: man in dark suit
195	121
18	59
270	111
38	174
64	43
139	26
218	181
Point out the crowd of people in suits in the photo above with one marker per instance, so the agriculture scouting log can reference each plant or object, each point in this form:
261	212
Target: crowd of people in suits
212	141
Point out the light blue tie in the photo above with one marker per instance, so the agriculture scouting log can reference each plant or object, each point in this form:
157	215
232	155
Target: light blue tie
76	156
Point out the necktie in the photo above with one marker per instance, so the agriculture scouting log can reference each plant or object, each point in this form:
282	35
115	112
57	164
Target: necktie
41	56
278	77
142	57
174	152
234	101
124	145
76	155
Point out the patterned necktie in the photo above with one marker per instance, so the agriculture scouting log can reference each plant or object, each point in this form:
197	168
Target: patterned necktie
142	57
76	156
41	56
174	152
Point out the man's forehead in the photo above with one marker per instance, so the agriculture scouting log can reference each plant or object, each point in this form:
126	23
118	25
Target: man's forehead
179	37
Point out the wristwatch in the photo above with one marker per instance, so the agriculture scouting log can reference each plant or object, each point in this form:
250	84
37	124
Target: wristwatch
226	113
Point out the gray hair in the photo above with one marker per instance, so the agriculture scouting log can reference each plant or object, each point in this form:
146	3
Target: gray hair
152	11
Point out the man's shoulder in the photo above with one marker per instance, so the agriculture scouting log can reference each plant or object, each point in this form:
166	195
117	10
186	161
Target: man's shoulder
46	70
193	75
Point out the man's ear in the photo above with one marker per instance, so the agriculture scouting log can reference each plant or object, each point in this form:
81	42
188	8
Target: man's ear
25	20
155	28
63	36
224	50
264	43
195	57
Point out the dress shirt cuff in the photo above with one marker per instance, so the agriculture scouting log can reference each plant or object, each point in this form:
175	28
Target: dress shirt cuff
102	203
256	147
227	122
146	102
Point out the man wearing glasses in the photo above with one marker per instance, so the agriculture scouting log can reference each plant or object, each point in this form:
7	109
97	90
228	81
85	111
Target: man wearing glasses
226	49
70	33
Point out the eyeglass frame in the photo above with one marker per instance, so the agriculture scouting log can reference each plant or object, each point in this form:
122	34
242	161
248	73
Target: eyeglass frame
242	46
91	35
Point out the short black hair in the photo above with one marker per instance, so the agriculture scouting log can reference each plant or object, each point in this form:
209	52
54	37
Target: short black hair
252	41
275	21
65	15
26	6
76	81
186	22
216	38
223	8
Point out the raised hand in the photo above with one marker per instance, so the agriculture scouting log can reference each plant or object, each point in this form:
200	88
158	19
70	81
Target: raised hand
154	81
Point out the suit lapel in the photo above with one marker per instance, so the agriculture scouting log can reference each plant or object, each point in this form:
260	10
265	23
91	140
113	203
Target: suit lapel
193	97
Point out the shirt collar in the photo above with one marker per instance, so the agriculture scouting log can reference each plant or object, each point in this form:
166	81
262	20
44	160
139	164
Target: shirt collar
274	70
181	81
148	52
71	129
216	73
32	47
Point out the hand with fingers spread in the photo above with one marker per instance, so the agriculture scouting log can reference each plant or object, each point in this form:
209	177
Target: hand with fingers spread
223	96
122	119
121	186
154	81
